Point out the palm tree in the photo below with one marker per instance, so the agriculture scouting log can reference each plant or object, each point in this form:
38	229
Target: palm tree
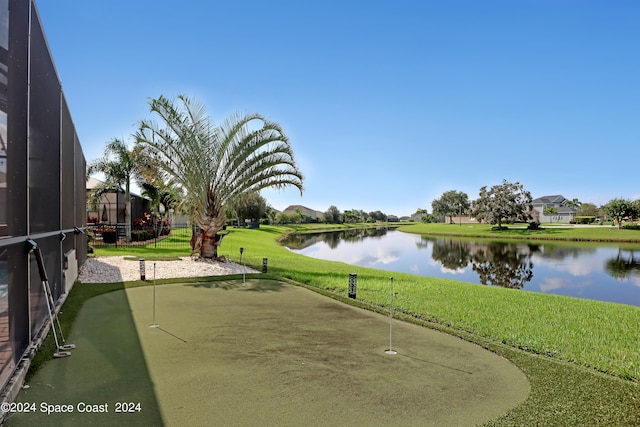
575	203
215	164
161	194
119	166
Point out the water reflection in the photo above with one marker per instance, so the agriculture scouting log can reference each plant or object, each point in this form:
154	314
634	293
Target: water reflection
499	264
623	265
603	272
453	255
333	239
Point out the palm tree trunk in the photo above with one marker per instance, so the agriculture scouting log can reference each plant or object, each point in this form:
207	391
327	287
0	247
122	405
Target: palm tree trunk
206	242
127	210
127	221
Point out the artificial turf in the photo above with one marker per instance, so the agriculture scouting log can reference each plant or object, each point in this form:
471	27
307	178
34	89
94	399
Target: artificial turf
265	353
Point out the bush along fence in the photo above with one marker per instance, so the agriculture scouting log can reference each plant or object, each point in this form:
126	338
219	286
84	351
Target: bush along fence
116	235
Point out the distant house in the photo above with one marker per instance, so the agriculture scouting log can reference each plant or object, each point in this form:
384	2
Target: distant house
111	206
307	213
564	213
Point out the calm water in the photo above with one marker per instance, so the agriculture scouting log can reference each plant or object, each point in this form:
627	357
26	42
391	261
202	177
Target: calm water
605	273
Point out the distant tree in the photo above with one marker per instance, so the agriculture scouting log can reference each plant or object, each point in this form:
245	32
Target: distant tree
164	193
271	214
284	218
575	203
505	202
451	203
163	196
423	215
428	219
587	209
636	209
332	215
364	217
250	205
549	212
619	209
351	216
378	216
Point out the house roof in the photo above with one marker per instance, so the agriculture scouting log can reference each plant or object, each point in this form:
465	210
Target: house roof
93	182
305	211
557	199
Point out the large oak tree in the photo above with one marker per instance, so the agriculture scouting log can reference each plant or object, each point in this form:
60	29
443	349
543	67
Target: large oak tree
505	202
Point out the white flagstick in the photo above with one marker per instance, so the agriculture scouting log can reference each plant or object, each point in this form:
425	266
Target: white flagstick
391	350
154	324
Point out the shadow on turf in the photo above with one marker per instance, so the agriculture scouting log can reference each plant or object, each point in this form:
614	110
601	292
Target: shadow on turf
170	334
250	285
436	364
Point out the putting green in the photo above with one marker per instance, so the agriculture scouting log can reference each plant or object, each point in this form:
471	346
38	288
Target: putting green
267	353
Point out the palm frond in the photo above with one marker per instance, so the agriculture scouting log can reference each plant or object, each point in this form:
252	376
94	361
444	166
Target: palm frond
214	164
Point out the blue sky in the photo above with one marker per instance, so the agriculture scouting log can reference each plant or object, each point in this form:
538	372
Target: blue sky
387	104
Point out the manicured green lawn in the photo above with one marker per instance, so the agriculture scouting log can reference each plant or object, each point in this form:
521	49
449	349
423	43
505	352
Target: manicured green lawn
604	233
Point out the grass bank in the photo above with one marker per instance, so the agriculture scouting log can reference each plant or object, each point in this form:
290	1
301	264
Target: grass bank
592	233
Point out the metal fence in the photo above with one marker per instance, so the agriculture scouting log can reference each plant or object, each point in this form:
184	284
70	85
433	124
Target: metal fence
115	235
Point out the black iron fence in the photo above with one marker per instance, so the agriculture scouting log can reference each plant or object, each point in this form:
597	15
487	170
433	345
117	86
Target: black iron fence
115	235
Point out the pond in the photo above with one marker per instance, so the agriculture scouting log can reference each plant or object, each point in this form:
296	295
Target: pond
602	272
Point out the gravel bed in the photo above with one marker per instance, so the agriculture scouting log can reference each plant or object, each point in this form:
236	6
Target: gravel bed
118	269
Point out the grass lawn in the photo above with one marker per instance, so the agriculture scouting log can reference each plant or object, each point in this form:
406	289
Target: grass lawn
593	233
581	357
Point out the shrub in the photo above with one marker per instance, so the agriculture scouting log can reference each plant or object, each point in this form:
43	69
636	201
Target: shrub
142	235
632	226
584	219
533	226
90	238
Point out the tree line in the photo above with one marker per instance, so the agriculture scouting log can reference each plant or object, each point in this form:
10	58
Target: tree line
511	202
